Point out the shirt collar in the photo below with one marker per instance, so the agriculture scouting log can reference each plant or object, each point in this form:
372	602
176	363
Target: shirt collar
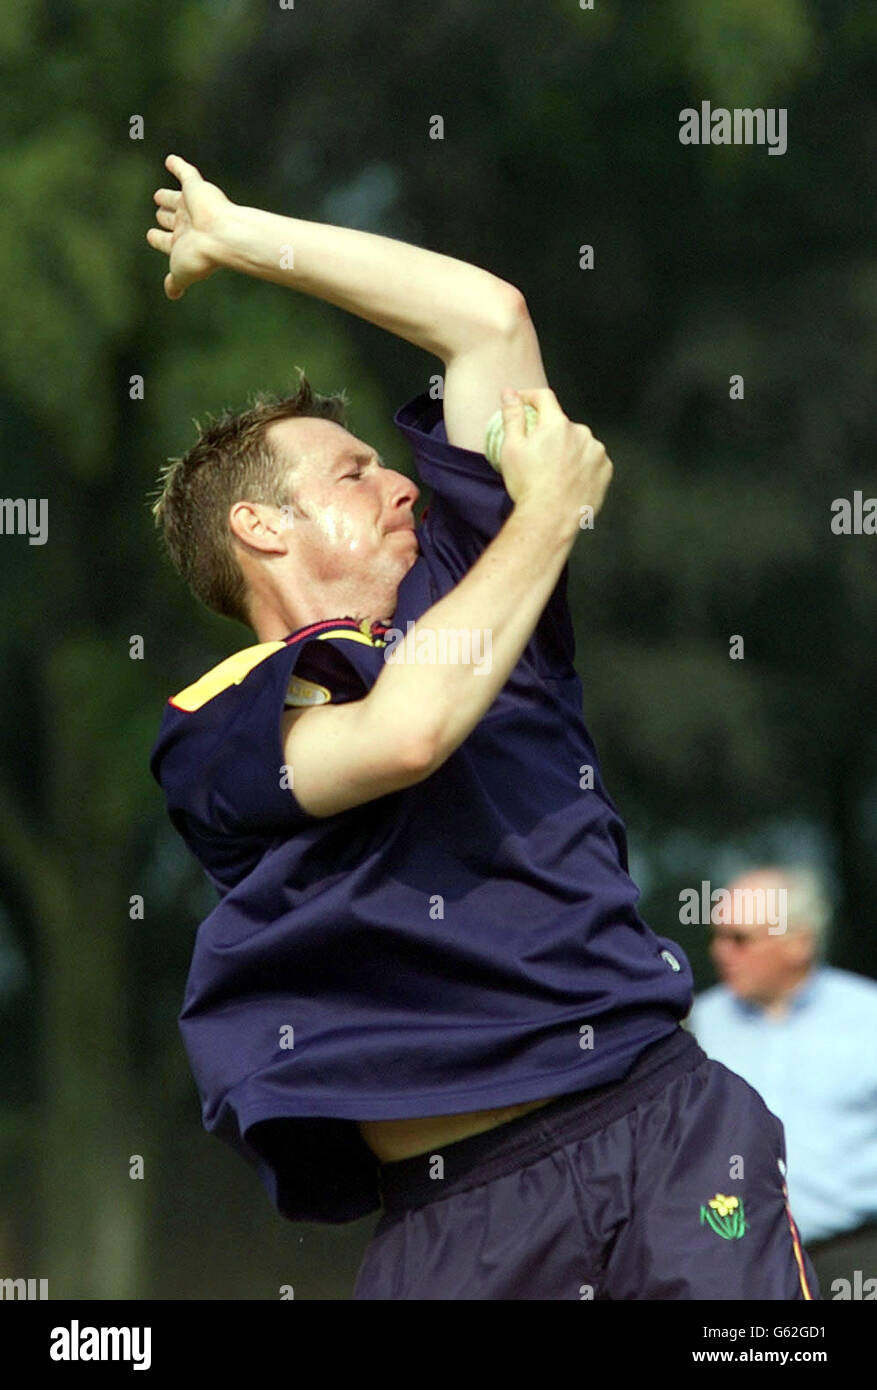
801	999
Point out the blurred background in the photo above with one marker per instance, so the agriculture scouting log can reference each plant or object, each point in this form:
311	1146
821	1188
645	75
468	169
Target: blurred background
560	130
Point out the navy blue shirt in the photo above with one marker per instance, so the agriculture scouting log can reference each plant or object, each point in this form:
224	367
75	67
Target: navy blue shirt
468	943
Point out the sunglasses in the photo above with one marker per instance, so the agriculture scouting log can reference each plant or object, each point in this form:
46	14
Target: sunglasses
736	938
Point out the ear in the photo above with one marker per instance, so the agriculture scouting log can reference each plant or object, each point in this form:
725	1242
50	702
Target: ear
800	946
261	527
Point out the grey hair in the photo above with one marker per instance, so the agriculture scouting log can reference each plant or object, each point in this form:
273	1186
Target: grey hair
809	904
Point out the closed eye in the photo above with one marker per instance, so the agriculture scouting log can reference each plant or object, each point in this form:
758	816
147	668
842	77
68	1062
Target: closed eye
364	462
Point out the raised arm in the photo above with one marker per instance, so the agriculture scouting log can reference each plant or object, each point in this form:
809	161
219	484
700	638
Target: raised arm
476	323
416	715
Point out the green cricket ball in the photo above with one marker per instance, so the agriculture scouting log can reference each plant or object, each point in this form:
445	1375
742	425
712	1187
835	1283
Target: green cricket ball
493	440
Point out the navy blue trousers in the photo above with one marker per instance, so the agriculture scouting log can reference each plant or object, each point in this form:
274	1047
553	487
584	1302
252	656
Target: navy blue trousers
669	1184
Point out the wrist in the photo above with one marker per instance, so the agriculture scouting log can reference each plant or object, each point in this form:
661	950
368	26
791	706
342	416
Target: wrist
551	519
229	240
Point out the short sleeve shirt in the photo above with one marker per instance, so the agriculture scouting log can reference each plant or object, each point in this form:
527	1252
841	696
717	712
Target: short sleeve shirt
469	942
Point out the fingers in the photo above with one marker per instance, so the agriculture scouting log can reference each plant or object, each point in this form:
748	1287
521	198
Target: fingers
159	239
170	288
180	168
542	398
168	200
513	416
162	242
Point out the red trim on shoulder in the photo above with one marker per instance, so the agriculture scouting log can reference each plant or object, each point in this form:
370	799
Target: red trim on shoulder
377	628
314	628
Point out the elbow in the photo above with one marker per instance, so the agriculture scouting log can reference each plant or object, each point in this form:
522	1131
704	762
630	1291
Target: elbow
421	756
512	309
497	311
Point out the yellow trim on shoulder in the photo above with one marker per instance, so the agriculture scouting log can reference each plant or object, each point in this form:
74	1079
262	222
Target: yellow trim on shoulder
233	670
353	636
229	672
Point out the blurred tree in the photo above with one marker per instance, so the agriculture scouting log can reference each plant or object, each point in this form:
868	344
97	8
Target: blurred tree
709	262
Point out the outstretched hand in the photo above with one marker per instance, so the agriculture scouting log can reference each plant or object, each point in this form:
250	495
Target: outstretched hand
187	219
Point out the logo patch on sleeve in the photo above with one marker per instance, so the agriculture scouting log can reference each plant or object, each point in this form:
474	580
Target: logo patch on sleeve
302	693
725	1216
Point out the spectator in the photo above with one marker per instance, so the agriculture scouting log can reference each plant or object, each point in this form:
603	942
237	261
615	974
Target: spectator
802	1034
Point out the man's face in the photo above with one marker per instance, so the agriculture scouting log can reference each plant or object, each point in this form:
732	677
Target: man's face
754	964
356	539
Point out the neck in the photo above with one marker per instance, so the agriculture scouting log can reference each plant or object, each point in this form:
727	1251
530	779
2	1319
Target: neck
778	1005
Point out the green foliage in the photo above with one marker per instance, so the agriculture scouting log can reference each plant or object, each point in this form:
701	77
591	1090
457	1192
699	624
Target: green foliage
67	270
740	50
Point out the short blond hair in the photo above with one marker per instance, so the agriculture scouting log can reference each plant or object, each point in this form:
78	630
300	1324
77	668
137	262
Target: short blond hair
231	461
